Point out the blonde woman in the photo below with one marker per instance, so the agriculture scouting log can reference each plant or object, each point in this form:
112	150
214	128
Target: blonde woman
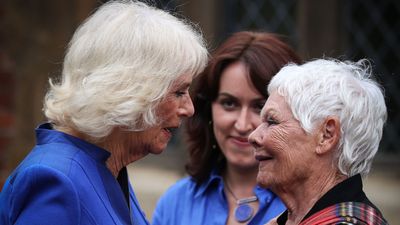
124	86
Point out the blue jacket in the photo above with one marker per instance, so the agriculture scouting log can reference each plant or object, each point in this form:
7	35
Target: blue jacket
187	202
64	181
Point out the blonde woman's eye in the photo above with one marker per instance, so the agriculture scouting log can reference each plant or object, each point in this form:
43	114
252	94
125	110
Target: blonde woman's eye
180	93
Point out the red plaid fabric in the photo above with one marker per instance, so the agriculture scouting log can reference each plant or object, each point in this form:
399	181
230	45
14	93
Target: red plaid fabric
346	213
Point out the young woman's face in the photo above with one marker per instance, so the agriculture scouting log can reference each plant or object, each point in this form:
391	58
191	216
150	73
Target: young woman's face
235	114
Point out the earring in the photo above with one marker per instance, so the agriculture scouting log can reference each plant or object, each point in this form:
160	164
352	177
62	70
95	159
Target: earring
210	122
214	146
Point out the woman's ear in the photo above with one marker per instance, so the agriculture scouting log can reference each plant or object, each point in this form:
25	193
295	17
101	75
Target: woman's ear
329	135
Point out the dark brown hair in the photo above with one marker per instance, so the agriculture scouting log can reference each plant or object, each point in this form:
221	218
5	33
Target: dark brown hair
264	54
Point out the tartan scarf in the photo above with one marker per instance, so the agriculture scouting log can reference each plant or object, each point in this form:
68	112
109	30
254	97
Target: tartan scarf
346	213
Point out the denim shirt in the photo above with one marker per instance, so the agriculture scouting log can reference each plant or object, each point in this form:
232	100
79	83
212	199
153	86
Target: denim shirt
189	203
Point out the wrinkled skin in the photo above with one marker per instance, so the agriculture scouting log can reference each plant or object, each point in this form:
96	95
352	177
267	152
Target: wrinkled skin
284	149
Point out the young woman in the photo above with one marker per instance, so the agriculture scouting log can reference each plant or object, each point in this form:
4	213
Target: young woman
228	97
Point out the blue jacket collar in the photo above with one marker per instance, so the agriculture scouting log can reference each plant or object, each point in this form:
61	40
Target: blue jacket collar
46	134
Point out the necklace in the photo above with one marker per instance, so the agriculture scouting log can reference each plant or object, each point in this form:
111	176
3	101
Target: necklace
243	211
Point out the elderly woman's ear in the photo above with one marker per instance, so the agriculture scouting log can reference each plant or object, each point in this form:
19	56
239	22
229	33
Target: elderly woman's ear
329	135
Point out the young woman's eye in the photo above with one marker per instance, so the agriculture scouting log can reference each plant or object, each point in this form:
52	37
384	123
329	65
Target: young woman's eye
228	104
258	106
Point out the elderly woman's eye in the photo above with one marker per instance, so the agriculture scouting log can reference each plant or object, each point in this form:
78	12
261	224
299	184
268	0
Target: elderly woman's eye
270	121
180	93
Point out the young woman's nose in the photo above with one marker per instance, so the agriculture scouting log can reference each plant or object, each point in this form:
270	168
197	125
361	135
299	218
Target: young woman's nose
255	138
243	123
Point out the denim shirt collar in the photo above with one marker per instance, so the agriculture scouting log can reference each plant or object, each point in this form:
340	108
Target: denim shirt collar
213	179
265	196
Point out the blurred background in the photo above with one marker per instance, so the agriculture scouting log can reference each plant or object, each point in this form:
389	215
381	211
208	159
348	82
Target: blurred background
34	35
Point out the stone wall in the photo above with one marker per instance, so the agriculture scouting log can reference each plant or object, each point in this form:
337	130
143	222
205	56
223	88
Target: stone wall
33	37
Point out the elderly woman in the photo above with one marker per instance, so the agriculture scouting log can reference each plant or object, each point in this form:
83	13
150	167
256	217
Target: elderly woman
320	130
124	86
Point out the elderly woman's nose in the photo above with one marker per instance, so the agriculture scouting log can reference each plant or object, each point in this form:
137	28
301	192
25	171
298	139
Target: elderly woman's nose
187	109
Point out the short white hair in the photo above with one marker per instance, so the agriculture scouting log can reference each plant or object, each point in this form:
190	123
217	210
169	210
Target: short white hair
329	87
119	65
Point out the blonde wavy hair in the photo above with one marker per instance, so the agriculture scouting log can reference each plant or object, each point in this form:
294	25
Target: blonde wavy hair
119	65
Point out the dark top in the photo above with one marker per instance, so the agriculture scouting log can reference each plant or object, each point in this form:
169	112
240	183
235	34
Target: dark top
349	190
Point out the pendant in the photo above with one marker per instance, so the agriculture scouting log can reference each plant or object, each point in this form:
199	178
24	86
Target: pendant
243	213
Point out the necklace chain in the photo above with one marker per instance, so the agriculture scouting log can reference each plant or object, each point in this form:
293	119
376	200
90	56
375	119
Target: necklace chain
242	200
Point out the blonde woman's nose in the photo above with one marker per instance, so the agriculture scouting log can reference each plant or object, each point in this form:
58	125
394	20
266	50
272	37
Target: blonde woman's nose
187	108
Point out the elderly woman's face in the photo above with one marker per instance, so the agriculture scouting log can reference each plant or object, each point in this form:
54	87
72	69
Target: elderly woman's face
175	106
235	114
285	151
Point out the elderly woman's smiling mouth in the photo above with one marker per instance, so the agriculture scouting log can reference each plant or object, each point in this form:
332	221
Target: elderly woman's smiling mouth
262	157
